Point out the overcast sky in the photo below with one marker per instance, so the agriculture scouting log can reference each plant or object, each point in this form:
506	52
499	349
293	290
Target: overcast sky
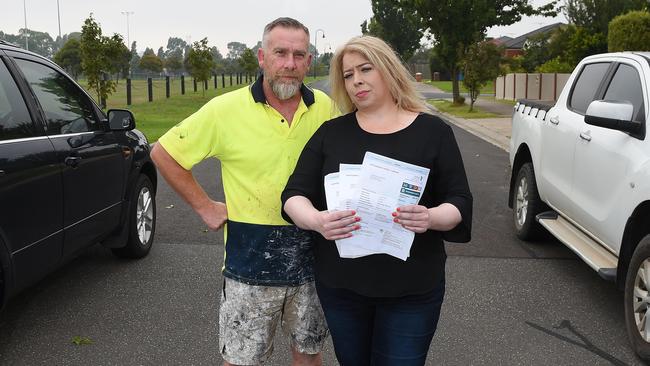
153	22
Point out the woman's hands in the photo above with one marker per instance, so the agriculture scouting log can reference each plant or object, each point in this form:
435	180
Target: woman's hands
419	219
412	217
332	225
335	225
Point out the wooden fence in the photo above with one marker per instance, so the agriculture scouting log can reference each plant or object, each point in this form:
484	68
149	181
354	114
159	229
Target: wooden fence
540	86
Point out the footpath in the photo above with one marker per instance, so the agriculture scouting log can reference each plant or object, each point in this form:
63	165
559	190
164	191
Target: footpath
493	130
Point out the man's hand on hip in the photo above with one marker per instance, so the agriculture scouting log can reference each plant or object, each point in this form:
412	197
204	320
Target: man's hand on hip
214	214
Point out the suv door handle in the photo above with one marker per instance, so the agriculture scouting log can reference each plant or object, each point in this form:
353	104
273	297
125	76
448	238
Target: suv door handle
555	120
2	172
585	136
72	161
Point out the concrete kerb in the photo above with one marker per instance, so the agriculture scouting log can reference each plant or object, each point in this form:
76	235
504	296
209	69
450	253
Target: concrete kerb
493	130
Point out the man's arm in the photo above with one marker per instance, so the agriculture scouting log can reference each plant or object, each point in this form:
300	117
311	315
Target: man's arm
213	213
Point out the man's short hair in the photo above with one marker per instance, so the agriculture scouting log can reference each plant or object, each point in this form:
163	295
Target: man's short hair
285	22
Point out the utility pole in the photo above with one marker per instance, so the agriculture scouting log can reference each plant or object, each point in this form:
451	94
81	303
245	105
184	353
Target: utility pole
315	43
58	14
25	12
127	13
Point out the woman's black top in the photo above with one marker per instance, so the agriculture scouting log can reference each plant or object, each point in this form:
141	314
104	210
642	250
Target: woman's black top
428	142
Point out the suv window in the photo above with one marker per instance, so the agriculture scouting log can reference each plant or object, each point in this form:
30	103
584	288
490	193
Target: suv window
15	121
626	86
586	86
67	109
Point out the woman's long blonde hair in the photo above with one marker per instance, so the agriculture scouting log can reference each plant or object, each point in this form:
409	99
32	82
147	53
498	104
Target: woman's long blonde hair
399	81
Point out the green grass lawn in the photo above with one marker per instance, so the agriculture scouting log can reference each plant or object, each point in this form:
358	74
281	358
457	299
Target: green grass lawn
155	118
447	87
139	90
461	111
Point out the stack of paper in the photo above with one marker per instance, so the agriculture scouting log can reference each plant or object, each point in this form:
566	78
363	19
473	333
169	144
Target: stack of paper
374	190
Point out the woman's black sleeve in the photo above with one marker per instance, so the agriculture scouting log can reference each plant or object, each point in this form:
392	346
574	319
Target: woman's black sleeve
306	179
451	186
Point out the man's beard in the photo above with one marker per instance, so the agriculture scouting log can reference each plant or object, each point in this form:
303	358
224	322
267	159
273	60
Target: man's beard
283	89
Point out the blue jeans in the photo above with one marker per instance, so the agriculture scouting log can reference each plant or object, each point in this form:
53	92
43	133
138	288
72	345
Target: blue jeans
381	331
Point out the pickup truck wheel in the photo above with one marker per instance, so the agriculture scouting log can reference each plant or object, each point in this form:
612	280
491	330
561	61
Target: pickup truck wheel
142	221
527	204
637	299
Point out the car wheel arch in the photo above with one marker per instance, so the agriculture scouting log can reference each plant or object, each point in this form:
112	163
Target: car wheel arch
522	157
149	170
635	230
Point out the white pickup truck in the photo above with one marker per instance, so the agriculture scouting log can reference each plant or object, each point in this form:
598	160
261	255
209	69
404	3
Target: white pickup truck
581	170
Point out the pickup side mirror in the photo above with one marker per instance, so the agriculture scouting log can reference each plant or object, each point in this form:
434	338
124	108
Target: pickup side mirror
614	115
120	120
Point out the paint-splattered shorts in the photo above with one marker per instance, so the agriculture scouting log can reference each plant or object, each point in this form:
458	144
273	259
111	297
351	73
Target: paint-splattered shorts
249	315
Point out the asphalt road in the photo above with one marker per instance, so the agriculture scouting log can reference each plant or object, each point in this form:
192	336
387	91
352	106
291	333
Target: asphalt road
507	302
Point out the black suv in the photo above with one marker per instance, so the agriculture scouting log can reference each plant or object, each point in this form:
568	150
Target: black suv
70	175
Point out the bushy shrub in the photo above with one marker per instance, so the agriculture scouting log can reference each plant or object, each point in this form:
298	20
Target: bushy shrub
630	32
555	65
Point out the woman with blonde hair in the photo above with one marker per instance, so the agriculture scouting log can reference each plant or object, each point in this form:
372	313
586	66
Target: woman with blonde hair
381	310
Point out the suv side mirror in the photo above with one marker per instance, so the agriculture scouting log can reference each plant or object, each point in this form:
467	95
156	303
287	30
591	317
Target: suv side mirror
120	120
614	115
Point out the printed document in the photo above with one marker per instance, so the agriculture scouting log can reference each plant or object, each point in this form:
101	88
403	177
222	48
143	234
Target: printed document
333	200
384	184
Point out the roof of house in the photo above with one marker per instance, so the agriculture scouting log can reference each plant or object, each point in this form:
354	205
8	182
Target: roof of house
501	40
518	43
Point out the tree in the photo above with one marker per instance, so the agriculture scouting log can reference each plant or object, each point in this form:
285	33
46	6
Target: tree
174	60
595	15
175	43
174	54
536	51
150	61
218	59
563	49
69	57
248	62
455	25
396	23
256	47
583	43
95	62
37	42
134	63
630	32
235	50
161	54
480	65
555	65
231	62
59	42
436	65
118	56
200	60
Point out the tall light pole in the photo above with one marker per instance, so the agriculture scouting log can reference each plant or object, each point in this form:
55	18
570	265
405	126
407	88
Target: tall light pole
315	43
127	13
25	12
58	15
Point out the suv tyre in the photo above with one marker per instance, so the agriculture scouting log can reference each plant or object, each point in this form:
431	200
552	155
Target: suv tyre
637	299
527	204
142	224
